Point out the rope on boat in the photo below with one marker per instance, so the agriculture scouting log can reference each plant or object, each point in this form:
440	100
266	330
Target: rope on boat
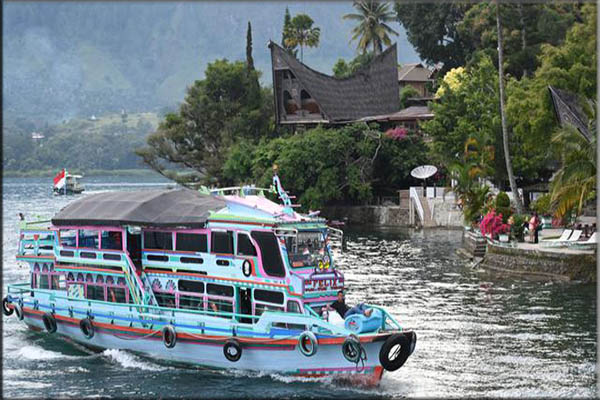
362	358
203	337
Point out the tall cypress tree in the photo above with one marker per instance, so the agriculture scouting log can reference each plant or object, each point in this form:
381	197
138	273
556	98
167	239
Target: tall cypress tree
287	21
249	59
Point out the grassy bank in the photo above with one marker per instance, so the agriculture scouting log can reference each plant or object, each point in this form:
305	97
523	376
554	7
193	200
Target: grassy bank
92	172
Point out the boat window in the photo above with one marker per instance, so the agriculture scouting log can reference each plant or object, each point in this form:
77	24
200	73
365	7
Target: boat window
191	302
94	292
111	240
269	253
88	238
307	249
245	246
293	307
260	308
59	282
116	295
158	240
222	242
165	299
68	237
216	304
44	283
190	286
197	242
268	296
219	290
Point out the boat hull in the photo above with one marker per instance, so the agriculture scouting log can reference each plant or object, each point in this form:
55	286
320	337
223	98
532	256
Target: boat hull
280	356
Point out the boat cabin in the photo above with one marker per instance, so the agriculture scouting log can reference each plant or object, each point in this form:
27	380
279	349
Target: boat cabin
229	256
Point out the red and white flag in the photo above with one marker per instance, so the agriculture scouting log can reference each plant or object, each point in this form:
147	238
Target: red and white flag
60	179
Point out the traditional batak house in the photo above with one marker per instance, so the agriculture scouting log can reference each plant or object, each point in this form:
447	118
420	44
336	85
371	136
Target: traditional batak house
304	96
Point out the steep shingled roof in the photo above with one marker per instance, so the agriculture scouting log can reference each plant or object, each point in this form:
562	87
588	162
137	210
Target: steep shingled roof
372	90
415	72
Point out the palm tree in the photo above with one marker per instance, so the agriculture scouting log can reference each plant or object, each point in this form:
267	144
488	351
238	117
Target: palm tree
509	169
301	33
575	181
373	29
468	189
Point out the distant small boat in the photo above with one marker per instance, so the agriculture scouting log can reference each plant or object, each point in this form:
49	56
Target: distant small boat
65	183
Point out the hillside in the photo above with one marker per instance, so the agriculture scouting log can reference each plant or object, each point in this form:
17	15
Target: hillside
104	143
67	59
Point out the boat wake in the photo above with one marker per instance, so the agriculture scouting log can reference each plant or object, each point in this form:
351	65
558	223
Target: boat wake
128	360
38	353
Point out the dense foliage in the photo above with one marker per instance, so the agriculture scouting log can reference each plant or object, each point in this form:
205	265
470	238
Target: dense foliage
453	33
343	69
77	145
350	164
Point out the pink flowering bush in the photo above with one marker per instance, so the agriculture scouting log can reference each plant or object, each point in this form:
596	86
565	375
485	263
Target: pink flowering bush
492	224
397	133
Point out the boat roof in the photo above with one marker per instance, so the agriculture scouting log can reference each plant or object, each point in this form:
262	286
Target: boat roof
161	208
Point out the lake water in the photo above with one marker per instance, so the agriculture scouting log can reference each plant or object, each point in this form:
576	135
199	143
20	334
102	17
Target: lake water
478	335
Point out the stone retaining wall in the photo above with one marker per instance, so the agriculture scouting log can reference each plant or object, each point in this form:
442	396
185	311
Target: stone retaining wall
541	264
368	215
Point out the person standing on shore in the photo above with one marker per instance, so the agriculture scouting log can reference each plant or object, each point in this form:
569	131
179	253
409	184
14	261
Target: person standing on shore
534	222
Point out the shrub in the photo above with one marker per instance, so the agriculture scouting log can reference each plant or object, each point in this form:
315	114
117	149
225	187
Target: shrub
517	227
542	205
503	206
492	224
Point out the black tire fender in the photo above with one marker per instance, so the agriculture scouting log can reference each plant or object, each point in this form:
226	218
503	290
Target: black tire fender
6	310
169	336
232	350
308	349
49	322
18	311
351	348
395	351
87	328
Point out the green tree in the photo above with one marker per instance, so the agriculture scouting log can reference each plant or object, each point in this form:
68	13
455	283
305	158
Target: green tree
249	59
470	192
341	69
373	29
570	66
218	111
302	33
432	30
406	93
575	181
467	121
287	26
525	28
452	32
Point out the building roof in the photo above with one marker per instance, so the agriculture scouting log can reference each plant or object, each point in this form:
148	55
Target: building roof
415	72
161	208
568	111
407	114
371	90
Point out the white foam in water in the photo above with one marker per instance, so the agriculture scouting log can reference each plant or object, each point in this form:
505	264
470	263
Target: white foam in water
38	353
128	360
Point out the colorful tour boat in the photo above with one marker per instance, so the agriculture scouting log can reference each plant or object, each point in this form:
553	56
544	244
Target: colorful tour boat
222	279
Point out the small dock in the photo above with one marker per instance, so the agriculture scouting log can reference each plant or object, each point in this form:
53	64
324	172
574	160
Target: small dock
531	260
